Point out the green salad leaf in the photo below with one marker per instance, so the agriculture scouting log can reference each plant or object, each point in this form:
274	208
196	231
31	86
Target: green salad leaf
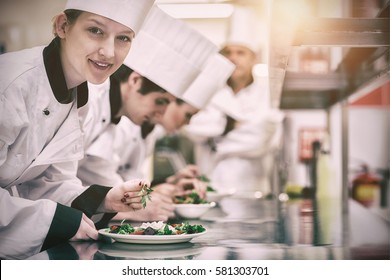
192	198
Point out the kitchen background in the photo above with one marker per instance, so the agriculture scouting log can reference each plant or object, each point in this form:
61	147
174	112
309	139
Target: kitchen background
361	122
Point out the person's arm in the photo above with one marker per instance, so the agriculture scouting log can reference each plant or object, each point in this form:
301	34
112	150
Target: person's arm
97	170
206	124
250	139
60	184
27	226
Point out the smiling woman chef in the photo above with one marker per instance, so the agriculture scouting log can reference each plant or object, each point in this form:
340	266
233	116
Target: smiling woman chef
42	202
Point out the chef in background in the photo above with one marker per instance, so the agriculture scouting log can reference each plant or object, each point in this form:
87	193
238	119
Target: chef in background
42	202
237	133
165	58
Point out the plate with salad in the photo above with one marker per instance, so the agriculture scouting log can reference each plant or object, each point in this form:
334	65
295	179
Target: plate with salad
153	233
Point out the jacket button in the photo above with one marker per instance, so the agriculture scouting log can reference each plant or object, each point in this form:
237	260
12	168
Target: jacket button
46	112
104	120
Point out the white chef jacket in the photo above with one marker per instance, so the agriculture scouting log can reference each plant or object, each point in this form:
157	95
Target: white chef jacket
132	149
241	158
40	142
95	116
115	149
117	155
99	126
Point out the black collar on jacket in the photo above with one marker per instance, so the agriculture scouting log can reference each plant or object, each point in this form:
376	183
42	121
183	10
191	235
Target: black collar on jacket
115	100
55	74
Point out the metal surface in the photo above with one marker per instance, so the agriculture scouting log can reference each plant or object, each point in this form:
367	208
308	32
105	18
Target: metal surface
297	229
311	91
344	166
354	32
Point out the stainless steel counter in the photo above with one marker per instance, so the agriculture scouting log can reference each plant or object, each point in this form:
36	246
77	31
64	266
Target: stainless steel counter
301	229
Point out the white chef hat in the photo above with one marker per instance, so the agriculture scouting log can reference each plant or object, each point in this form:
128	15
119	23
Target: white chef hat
244	29
130	13
215	73
168	52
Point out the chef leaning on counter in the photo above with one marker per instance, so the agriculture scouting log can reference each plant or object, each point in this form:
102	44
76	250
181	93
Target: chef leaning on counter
237	130
159	68
42	202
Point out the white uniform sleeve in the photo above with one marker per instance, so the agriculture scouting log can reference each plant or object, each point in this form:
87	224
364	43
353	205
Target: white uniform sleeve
251	139
24	225
58	183
99	165
98	170
206	124
132	150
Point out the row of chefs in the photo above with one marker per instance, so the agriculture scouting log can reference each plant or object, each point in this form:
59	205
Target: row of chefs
72	112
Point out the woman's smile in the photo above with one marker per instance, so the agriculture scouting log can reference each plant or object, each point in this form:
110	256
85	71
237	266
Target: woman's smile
101	65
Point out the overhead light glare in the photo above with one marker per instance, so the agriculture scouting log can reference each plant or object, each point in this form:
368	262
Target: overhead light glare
198	10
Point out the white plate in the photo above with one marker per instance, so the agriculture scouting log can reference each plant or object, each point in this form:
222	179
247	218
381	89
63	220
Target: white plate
149	239
192	211
151	251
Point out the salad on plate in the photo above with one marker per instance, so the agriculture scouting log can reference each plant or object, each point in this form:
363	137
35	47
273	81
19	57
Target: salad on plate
157	228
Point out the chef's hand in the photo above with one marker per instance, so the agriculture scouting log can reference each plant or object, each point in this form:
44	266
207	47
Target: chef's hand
165	189
186	186
159	208
86	230
190	171
125	197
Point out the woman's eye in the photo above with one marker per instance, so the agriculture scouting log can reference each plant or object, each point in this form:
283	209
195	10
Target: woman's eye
125	38
162	101
95	30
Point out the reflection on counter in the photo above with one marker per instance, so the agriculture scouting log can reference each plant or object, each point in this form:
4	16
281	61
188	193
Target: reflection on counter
300	229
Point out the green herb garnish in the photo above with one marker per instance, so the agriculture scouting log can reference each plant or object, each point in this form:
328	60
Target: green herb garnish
203	178
145	193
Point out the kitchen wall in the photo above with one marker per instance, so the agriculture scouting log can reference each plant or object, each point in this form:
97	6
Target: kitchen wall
27	23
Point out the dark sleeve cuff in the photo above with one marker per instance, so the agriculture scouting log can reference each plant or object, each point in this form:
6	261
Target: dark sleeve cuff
65	224
89	201
104	221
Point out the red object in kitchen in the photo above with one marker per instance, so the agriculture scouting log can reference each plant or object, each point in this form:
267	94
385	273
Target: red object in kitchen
306	138
366	188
